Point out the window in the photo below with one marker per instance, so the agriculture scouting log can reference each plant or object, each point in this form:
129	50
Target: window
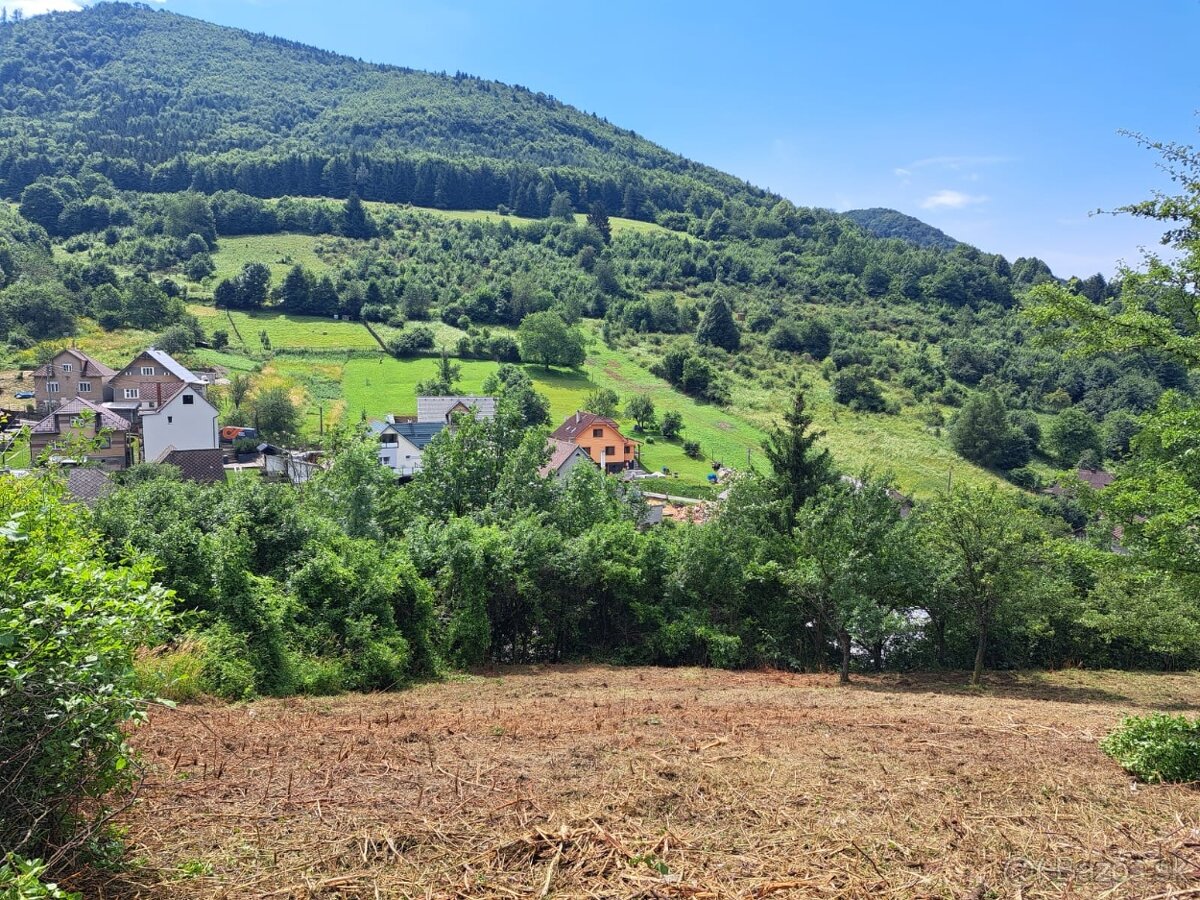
188	400
598	432
627	449
610	451
170	419
147	370
66	367
52	387
85	387
587	450
131	393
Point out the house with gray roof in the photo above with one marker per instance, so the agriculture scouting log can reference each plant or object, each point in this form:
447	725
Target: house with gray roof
81	431
443	409
402	444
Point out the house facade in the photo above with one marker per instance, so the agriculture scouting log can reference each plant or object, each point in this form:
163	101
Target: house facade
601	439
402	444
80	431
149	380
183	420
72	373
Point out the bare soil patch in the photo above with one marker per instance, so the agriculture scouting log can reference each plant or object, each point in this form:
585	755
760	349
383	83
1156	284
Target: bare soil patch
600	782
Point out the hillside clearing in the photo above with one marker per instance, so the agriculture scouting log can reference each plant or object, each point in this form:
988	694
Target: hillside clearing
603	782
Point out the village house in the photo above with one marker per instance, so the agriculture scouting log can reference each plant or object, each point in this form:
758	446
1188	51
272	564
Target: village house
444	409
182	420
601	439
564	456
81	431
401	444
149	380
70	374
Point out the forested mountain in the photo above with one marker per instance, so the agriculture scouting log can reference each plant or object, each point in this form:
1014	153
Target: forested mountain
161	102
890	223
136	140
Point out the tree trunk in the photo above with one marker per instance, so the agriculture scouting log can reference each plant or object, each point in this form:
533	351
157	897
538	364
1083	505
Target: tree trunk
819	648
877	655
939	641
844	642
980	652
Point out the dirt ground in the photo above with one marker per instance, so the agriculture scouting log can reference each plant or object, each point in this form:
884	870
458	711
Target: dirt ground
601	782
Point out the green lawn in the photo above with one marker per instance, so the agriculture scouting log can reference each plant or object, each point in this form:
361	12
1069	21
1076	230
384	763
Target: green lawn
286	332
482	215
279	252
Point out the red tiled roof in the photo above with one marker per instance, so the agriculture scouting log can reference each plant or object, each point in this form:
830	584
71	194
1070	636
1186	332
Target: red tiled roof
107	418
580	422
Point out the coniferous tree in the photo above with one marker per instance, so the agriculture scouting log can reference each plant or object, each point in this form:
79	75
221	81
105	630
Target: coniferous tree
799	469
355	221
598	219
296	292
718	328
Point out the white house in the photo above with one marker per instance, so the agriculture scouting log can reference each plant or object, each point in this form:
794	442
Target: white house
402	443
442	409
184	420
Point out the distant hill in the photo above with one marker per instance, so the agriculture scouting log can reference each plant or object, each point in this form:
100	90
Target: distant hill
161	102
889	223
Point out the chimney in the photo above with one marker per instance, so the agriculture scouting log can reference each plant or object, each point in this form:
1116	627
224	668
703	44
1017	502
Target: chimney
158	393
576	417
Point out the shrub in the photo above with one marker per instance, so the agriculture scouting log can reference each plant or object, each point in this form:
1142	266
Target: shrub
174	673
21	879
1157	747
411	341
227	670
69	625
691	449
672	424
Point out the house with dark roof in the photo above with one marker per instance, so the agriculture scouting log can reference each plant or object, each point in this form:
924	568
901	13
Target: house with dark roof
564	456
201	466
89	486
70	374
444	409
150	378
402	444
81	431
601	439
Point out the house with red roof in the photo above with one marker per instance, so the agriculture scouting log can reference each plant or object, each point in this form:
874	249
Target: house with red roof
601	439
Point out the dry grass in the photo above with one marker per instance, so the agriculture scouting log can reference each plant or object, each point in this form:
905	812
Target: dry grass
598	782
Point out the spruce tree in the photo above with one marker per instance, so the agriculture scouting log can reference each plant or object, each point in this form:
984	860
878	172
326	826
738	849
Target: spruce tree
799	469
598	219
717	327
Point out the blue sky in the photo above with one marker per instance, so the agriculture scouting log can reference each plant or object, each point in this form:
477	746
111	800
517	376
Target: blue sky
997	123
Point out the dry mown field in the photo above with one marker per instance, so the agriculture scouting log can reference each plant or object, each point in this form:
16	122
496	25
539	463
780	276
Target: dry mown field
599	782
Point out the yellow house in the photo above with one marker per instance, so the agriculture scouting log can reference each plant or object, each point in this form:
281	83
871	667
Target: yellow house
601	439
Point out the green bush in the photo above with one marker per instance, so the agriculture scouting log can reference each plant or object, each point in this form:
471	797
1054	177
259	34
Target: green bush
1157	748
21	879
70	623
174	673
227	670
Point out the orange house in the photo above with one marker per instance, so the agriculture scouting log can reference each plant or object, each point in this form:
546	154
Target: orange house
601	439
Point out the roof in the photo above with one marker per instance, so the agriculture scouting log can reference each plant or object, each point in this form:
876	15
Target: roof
168	362
581	422
173	392
560	452
87	485
107	418
200	466
87	365
419	434
436	409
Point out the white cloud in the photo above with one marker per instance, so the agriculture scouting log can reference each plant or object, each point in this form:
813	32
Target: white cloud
901	172
951	200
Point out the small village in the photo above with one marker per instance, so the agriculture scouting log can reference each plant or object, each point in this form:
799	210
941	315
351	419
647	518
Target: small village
93	421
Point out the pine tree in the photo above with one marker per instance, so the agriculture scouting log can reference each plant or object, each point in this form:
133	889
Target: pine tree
355	221
717	327
296	292
798	468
